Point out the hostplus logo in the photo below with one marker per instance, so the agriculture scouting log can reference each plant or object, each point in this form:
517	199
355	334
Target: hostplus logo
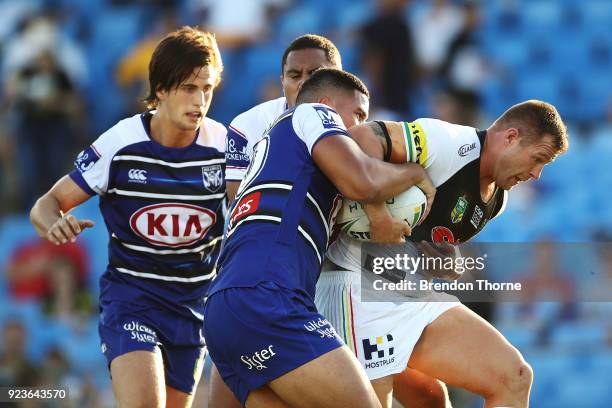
380	348
137	176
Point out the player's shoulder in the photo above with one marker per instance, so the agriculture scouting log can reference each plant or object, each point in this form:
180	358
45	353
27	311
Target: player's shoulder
316	115
448	138
259	117
318	110
451	131
126	132
445	148
213	134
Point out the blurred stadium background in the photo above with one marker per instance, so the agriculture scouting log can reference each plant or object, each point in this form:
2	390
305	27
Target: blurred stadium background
72	68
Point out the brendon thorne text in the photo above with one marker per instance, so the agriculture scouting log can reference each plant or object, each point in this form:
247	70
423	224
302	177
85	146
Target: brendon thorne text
455	286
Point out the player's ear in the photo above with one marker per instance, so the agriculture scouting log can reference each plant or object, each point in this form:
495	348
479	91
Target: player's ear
325	100
511	134
161	95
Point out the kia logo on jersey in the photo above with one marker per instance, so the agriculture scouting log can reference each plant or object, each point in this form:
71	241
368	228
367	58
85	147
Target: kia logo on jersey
172	224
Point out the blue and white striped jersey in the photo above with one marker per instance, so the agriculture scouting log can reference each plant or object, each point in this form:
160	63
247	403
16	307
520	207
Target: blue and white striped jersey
245	131
280	222
164	209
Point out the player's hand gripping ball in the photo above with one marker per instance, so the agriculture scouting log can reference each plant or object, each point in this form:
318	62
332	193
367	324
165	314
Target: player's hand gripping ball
408	206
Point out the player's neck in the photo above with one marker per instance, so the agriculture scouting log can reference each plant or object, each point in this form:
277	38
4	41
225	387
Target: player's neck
166	134
487	181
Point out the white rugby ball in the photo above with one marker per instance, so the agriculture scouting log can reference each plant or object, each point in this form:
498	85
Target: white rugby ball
408	206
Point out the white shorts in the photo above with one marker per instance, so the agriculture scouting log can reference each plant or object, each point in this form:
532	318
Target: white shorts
381	334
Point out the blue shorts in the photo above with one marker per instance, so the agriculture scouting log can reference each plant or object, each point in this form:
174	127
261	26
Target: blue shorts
257	334
125	327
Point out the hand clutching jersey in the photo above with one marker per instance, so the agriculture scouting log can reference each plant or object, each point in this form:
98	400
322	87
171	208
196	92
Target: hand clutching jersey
164	211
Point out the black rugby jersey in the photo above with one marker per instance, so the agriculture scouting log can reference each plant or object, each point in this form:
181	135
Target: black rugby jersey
450	155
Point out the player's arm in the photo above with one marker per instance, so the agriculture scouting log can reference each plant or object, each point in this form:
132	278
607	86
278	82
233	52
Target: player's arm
384	141
50	212
231	187
360	177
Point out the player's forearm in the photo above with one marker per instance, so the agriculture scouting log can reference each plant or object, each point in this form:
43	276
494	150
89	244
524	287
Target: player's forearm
388	180
44	214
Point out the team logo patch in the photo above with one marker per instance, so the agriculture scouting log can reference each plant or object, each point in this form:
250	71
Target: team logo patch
86	159
459	210
172	224
377	348
212	177
329	118
465	149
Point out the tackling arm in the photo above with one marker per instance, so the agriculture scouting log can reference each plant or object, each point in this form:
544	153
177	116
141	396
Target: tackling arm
385	141
360	177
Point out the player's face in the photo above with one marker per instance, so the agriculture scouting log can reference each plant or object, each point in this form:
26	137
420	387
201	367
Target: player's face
299	66
523	161
353	107
187	104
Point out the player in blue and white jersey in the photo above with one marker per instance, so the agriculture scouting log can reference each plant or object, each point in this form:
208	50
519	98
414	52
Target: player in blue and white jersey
160	178
261	325
301	58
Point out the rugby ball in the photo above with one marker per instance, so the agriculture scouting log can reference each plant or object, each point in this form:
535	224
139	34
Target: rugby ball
408	206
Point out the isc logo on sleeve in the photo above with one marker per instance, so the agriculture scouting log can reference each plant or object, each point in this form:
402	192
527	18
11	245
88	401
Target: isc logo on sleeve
86	159
329	118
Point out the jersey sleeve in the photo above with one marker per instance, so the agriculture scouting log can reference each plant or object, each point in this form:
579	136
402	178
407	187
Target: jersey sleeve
313	122
238	153
92	165
440	147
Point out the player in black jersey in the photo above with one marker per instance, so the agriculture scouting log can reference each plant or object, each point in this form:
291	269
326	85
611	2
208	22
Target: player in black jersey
472	171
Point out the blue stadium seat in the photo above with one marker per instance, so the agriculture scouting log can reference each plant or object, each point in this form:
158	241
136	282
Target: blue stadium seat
541	16
30	315
305	18
520	337
82	347
577	335
597	13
